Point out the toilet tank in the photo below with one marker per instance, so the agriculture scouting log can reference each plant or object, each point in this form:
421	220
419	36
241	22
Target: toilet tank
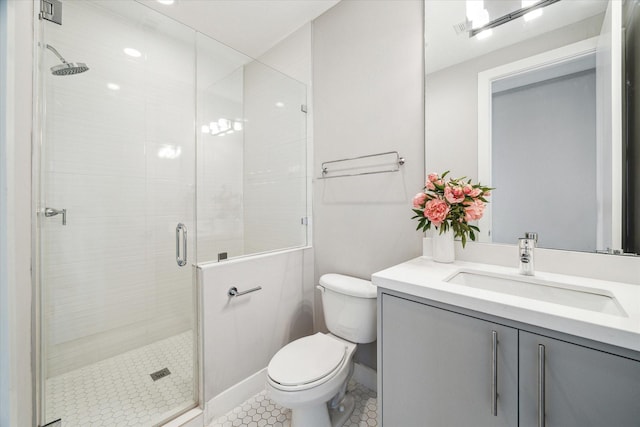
349	306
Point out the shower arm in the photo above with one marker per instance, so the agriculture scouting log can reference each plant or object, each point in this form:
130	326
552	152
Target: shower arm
52	49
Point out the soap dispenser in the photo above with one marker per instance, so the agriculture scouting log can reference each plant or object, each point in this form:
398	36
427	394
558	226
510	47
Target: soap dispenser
526	246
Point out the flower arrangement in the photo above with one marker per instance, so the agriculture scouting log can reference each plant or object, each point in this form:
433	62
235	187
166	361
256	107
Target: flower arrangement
450	204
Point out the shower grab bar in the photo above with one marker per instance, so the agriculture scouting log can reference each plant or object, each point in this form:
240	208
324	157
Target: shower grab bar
233	291
181	260
398	161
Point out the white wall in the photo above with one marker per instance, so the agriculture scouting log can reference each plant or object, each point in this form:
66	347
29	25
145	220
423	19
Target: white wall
451	99
16	376
368	98
241	334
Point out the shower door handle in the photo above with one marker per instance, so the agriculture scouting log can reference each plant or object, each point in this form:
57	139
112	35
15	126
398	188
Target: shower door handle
181	259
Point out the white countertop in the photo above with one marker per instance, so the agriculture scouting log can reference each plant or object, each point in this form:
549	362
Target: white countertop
422	277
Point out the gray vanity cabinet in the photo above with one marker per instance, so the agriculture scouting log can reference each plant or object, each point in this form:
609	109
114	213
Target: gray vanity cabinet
437	368
582	387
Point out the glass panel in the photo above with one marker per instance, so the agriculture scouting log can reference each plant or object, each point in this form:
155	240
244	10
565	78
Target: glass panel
220	153
252	179
118	153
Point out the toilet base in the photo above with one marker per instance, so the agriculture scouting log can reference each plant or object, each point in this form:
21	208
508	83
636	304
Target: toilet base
322	416
341	414
311	416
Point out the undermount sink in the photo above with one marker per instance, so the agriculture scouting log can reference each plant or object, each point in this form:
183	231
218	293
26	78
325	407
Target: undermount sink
597	300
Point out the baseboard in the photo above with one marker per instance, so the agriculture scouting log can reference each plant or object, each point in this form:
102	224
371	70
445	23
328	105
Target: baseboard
234	396
365	376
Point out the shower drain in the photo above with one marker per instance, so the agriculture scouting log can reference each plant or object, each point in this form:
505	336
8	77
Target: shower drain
160	374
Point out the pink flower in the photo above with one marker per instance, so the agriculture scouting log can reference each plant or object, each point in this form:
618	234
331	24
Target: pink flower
453	194
486	194
475	192
429	185
436	211
418	200
474	210
433	177
467	189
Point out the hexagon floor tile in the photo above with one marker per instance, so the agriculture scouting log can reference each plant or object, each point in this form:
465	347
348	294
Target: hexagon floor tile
260	411
119	391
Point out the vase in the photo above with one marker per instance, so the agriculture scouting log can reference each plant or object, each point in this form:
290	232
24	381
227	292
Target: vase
443	249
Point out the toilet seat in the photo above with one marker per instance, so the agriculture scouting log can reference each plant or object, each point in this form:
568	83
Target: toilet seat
306	362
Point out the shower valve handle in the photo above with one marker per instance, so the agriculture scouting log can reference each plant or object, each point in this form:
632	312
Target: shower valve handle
49	212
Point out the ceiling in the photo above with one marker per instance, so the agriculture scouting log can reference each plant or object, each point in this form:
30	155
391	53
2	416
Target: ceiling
250	26
445	48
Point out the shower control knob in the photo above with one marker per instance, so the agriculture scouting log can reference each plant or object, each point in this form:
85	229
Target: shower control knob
49	212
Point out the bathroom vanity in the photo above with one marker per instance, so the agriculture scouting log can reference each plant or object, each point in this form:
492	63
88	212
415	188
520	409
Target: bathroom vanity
467	344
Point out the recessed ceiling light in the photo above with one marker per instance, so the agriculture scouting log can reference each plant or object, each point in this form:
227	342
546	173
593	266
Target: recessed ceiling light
166	2
135	53
279	104
113	86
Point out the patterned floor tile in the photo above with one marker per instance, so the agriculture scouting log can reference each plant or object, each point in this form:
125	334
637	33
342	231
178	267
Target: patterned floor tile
119	391
260	411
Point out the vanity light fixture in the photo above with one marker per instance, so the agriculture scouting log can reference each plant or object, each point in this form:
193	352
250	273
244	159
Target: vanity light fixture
477	14
534	7
534	13
484	34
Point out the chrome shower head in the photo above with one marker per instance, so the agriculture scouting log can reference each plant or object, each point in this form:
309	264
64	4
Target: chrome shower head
66	68
69	68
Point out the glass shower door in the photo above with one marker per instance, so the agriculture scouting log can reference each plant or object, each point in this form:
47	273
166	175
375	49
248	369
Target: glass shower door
117	216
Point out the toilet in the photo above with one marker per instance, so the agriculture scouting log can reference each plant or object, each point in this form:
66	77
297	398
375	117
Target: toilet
310	375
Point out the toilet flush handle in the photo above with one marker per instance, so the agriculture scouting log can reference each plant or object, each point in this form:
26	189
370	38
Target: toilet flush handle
320	288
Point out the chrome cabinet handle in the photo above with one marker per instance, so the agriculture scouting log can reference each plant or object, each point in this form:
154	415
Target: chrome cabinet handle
181	260
233	291
494	373
541	385
49	212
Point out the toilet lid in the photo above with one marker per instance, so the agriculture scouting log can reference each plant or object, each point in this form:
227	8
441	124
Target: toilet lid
306	360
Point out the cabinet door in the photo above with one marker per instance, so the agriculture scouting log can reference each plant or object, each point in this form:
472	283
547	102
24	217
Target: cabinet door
583	387
437	368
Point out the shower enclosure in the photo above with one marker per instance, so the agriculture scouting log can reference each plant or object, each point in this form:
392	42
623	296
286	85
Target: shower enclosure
162	150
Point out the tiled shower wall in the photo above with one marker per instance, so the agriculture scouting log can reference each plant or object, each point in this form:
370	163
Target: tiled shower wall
121	162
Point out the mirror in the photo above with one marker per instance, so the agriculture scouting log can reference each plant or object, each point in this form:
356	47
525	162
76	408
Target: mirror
532	104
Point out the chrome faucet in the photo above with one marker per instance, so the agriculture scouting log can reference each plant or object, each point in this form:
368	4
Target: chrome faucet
526	245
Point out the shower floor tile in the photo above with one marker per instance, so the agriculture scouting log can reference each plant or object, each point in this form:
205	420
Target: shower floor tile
119	391
260	411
